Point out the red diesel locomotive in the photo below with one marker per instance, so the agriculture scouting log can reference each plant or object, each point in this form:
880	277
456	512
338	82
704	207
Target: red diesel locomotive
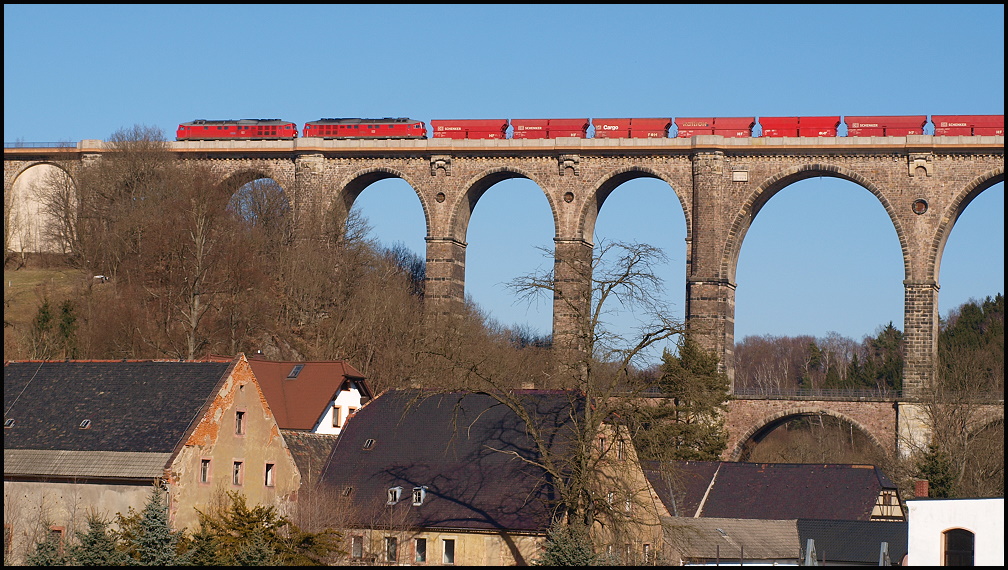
387	128
732	127
243	129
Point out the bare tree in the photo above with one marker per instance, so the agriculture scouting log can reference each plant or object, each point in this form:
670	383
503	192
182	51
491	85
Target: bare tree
598	380
56	194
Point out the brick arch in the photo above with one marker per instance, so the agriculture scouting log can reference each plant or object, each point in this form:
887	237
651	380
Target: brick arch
608	183
989	416
24	201
9	183
956	207
237	178
355	183
477	185
778	417
758	198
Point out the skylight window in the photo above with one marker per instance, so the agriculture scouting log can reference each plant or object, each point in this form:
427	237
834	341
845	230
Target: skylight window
393	495
368	444
85	424
9	423
419	494
295	371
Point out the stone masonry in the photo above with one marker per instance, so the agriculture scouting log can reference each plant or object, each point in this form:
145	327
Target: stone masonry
923	182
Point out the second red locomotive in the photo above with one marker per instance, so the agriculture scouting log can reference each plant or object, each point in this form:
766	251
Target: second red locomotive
387	128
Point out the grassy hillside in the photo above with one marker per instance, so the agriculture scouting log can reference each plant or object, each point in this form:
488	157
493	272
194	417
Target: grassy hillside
24	290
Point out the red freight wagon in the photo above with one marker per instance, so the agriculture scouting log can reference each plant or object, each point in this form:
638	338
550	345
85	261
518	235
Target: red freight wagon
469	128
632	128
687	128
549	128
530	128
818	126
612	128
650	128
387	128
241	129
899	126
779	126
734	126
968	125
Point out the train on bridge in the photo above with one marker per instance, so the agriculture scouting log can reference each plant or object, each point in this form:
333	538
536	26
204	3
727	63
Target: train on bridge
646	128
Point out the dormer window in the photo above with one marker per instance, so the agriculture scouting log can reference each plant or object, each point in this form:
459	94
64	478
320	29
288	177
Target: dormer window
394	494
419	494
295	371
85	424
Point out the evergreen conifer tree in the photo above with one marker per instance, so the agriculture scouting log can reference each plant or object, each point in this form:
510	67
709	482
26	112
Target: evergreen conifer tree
48	552
567	545
97	546
155	541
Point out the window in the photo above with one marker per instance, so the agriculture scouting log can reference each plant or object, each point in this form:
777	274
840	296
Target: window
448	550
347	491
350	412
393	495
236	474
357	546
269	474
628	505
391	548
336	415
647	553
621	450
419	494
8	423
297	367
611	497
958	547
56	535
368	443
85	424
240	423
204	471
601	444
420	548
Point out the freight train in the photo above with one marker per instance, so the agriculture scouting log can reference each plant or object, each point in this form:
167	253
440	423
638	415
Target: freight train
735	127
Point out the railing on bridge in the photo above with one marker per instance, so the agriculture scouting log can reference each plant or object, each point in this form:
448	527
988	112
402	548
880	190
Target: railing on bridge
22	144
818	394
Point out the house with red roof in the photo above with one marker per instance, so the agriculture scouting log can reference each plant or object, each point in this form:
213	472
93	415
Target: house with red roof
317	397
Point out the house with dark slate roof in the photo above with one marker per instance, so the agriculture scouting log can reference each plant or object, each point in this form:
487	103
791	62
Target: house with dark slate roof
95	435
454	478
776	491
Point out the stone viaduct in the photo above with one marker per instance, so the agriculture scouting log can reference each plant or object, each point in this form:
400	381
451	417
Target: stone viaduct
924	183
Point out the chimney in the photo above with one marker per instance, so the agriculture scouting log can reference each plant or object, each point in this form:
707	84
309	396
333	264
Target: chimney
921	488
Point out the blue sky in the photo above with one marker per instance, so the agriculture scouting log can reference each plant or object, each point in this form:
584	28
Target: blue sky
85	71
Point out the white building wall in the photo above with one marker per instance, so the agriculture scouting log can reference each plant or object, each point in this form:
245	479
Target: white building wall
928	518
344	400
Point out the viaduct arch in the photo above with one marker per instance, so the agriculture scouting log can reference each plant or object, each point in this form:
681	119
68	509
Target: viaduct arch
924	182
